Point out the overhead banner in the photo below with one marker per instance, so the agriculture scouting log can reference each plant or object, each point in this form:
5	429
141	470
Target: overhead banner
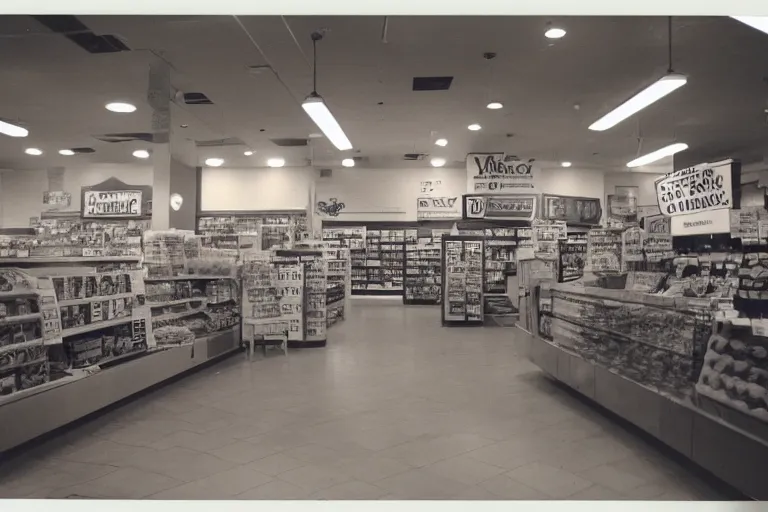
703	188
119	203
501	207
498	173
438	208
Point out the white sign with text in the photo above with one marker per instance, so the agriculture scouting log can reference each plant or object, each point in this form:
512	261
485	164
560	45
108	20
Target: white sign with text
118	203
703	188
702	223
498	173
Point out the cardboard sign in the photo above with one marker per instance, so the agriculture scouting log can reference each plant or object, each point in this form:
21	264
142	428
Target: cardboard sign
437	208
703	188
496	172
118	203
507	207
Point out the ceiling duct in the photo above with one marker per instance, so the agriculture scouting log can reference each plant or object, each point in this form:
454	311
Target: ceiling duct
414	156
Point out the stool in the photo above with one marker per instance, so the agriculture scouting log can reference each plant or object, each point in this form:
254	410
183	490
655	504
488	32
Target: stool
268	340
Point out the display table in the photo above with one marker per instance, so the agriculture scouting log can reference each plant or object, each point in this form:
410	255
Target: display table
62	402
640	356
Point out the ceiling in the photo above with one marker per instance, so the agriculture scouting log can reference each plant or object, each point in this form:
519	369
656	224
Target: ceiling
551	90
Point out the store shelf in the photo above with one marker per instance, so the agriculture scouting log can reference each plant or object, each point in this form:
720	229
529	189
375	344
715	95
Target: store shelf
82	329
37	342
70	259
186	278
17	295
176	302
175	316
17	319
88	300
335	304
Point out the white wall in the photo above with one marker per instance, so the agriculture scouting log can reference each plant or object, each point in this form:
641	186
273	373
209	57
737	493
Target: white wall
21	194
256	189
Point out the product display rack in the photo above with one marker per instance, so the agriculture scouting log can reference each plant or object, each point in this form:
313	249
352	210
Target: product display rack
423	267
275	228
462	280
338	273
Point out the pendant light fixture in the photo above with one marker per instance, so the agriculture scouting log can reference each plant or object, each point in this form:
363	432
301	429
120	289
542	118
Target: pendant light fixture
318	111
651	94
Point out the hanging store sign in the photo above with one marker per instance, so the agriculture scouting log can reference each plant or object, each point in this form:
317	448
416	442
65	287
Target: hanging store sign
57	199
702	223
437	208
498	173
703	188
118	203
583	211
501	207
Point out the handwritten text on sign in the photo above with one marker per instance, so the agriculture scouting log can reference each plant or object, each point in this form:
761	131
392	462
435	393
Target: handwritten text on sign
119	203
437	208
494	172
695	190
521	207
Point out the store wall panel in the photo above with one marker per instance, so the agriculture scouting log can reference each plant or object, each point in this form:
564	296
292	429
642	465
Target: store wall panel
183	182
256	189
644	182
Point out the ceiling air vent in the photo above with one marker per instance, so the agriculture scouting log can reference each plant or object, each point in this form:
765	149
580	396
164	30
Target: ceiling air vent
82	151
196	98
414	156
125	137
232	141
432	83
326	173
289	143
77	32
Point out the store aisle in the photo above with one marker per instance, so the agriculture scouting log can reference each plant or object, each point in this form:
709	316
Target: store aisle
395	408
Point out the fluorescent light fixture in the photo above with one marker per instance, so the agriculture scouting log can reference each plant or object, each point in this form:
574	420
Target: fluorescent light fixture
141	153
494	105
33	151
437	162
554	33
275	162
566	164
121	108
639	101
348	162
66	152
214	162
248	153
441	142
316	108
474	127
758	22
12	130
658	154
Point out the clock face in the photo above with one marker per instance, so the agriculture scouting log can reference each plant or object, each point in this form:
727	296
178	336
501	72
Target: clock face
176	201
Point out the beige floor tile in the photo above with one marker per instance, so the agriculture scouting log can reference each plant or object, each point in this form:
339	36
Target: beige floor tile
125	483
183	464
242	452
465	469
613	478
275	490
275	464
420	484
596	493
352	490
372	469
224	485
505	488
313	478
549	480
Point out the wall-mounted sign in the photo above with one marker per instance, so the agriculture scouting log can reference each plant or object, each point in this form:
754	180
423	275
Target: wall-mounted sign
703	188
117	203
498	173
331	208
583	211
431	187
57	198
702	223
501	207
437	208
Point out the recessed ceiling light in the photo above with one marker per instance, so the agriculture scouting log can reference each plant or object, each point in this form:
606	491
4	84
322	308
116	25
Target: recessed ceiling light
33	151
437	162
214	162
248	153
66	152
494	105
12	130
183	126
566	164
554	33
121	108
141	153
441	142
474	127
348	162
275	162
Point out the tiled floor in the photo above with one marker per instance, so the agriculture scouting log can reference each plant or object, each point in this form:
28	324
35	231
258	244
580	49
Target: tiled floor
395	408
